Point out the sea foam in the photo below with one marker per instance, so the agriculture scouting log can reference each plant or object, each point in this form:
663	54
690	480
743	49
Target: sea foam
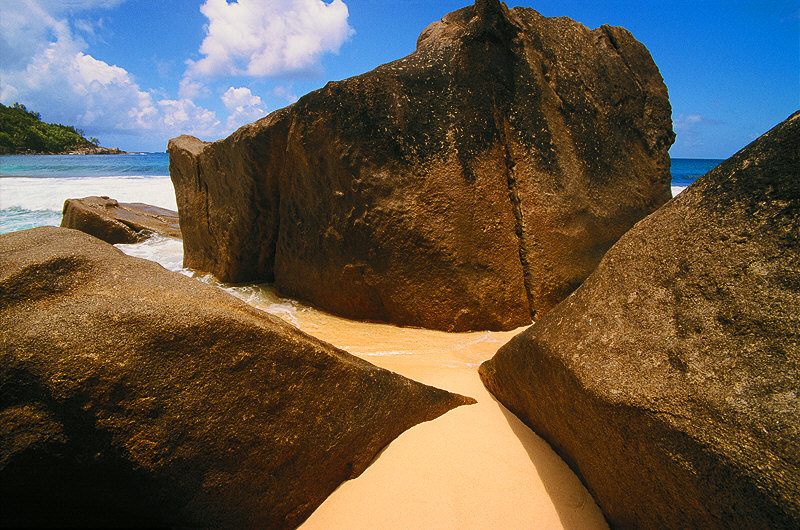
677	189
166	251
36	193
33	188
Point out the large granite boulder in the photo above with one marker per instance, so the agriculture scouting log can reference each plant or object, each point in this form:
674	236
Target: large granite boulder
470	185
133	396
116	222
669	380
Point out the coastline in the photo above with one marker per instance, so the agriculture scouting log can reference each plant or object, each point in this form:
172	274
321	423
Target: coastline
381	268
76	151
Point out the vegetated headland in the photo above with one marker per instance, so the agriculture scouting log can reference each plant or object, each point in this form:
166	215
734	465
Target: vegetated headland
23	132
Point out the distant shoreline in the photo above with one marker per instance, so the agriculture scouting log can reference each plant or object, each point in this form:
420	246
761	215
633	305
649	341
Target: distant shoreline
78	151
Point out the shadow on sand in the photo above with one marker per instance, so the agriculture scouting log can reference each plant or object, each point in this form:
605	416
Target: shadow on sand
570	497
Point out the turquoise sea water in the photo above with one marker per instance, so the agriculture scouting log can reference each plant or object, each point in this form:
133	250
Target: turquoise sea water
71	166
33	187
686	170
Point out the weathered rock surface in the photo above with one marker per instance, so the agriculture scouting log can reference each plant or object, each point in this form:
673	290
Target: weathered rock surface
470	185
133	396
115	222
669	380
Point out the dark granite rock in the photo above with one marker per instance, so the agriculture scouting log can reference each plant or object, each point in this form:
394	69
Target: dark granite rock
133	396
470	185
669	380
115	222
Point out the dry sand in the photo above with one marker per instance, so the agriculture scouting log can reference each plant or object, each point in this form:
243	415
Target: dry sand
477	466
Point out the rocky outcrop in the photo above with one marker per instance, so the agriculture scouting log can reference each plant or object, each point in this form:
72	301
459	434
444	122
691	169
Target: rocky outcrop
470	185
669	380
97	151
133	396
116	222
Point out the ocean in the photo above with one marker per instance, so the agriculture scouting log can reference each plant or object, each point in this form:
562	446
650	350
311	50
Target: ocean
686	170
33	187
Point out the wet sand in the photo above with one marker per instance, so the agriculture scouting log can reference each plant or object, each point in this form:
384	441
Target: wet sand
477	466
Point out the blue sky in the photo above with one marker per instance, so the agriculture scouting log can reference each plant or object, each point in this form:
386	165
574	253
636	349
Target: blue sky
135	73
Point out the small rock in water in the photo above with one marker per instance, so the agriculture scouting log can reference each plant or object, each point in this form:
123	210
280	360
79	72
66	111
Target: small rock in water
115	222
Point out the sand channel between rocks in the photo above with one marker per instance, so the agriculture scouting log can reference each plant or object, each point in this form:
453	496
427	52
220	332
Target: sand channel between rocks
475	467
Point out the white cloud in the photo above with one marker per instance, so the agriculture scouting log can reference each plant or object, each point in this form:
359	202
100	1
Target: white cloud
70	86
257	38
45	66
693	134
45	63
48	70
190	89
185	116
285	92
25	31
85	26
27	26
686	122
94	31
243	107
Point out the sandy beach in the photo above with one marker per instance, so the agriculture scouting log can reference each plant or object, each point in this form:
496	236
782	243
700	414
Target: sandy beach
477	466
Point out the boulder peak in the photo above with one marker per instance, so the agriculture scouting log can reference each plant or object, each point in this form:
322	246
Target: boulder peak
190	144
470	185
483	19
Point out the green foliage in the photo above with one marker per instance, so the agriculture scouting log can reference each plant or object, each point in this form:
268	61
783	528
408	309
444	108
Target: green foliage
23	131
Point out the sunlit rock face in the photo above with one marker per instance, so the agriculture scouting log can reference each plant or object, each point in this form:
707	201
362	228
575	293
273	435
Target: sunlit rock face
470	185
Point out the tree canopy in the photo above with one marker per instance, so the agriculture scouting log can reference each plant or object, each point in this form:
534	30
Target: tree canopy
23	131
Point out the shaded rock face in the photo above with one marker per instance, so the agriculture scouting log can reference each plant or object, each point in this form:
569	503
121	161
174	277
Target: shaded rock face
133	396
115	222
669	380
470	185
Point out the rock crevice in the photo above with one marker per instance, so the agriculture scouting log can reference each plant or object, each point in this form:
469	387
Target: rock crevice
516	208
675	364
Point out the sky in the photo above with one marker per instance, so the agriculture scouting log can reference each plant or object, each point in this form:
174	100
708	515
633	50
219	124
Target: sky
135	73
